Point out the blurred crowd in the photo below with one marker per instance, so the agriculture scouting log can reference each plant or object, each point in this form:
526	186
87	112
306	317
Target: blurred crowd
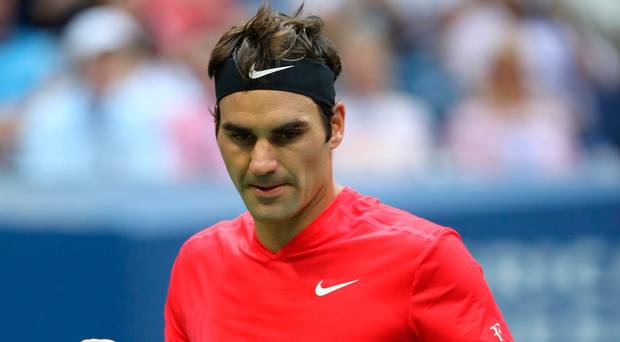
98	91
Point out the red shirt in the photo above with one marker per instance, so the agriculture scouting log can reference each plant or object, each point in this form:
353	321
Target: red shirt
361	271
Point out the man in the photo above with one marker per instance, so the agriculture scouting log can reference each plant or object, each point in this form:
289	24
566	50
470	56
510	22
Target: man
93	123
311	260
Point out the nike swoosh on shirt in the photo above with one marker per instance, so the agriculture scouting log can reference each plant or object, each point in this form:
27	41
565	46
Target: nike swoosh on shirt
254	74
322	291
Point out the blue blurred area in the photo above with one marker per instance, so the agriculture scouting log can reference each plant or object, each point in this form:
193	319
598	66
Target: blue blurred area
76	266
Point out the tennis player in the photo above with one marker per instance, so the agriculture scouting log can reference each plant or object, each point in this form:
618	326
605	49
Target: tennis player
311	260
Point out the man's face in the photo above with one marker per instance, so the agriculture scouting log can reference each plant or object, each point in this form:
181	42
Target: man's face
273	145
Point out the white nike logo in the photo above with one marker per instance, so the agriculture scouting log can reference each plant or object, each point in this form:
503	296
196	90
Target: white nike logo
322	291
254	74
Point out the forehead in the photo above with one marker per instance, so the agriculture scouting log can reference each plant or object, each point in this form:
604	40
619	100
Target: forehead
266	108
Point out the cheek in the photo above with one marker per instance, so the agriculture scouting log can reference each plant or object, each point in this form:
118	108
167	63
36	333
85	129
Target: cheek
232	158
312	164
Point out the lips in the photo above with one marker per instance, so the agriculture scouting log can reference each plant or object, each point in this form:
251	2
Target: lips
268	190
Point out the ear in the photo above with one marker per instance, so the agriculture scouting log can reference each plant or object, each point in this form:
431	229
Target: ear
337	124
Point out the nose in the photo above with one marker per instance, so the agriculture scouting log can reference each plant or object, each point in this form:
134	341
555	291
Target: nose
263	159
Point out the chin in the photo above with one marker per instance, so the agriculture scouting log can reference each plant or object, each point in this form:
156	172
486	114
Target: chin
270	212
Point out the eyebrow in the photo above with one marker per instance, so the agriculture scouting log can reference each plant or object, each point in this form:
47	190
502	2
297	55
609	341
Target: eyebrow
293	125
233	128
296	124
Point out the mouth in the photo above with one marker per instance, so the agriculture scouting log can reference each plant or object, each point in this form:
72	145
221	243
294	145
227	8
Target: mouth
268	190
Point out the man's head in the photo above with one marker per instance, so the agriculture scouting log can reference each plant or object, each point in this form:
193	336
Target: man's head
277	120
104	43
275	37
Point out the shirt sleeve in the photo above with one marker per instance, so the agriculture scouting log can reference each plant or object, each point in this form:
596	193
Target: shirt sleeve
173	312
451	300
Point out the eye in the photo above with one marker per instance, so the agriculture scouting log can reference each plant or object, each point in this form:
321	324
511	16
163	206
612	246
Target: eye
287	136
242	138
290	134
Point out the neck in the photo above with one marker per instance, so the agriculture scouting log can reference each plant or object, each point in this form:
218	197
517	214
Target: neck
274	235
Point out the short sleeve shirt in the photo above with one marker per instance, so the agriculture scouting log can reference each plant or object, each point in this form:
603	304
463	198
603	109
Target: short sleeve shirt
361	271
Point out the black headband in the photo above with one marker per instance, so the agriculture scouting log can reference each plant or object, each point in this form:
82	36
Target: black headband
306	76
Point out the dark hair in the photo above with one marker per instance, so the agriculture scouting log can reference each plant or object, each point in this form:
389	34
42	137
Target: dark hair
269	36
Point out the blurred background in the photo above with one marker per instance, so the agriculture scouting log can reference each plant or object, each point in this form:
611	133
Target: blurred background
500	118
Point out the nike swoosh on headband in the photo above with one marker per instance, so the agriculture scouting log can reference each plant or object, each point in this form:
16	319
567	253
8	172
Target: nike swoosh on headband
254	74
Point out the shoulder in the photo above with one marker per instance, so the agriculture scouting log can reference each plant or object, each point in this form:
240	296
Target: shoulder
222	233
388	221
